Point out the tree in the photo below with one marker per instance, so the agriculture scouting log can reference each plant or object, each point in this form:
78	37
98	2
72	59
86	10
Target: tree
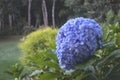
53	13
11	11
29	12
45	14
0	19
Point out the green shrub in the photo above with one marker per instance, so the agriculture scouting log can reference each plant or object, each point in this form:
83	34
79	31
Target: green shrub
36	43
39	54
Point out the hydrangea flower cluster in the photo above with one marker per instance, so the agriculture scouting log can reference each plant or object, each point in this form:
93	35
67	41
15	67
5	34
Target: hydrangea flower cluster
77	40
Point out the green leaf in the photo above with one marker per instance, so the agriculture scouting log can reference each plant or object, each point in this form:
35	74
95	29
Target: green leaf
108	34
108	44
49	76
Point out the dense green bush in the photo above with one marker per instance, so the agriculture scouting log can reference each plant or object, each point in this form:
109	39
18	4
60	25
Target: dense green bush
38	54
37	42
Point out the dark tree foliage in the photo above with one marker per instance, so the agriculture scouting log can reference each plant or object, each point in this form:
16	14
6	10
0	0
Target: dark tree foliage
96	9
14	13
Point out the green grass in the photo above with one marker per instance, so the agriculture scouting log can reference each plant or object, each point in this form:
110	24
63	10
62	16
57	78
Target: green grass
9	55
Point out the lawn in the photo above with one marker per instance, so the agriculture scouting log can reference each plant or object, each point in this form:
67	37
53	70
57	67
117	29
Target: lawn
9	55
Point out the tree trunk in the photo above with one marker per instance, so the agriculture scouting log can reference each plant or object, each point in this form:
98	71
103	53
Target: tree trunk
10	21
29	13
0	24
53	14
0	20
45	14
37	23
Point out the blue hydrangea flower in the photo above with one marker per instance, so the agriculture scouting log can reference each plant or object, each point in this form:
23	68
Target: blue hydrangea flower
77	40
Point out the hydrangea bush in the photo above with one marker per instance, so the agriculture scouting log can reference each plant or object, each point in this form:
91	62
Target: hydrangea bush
77	40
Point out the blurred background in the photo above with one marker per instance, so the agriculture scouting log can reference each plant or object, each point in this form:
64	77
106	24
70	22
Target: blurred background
18	18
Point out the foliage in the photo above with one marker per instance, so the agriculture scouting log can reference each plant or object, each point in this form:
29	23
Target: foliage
92	8
118	17
37	43
38	48
18	72
110	17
